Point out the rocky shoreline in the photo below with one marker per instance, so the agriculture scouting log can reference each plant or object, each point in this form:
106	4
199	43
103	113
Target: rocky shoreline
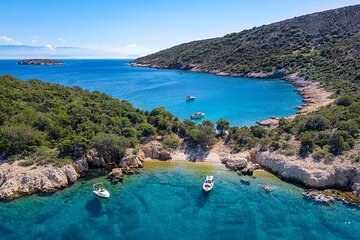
19	179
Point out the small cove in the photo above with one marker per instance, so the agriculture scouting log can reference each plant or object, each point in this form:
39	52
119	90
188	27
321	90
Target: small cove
242	101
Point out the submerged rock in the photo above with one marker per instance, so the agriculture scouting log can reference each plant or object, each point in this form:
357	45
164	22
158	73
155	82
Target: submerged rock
318	196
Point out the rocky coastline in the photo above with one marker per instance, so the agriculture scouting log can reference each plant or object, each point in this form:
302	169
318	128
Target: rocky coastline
19	179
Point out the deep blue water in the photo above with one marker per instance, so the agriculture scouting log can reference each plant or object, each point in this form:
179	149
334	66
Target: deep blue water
166	202
240	100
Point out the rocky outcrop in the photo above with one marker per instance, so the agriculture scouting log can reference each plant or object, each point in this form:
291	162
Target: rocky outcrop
16	181
155	150
94	159
132	160
318	196
310	174
234	164
116	175
81	166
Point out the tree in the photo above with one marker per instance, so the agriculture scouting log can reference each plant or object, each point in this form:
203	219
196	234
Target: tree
111	146
171	142
18	139
337	143
316	123
307	143
146	130
203	136
222	126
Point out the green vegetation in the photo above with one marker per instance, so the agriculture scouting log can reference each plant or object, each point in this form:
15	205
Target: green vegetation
323	47
48	123
51	123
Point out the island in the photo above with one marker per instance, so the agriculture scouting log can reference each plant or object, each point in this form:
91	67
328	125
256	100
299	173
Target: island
43	62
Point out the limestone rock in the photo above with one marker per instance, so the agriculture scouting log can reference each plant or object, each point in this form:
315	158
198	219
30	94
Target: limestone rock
236	164
81	166
116	174
93	158
18	181
71	173
155	150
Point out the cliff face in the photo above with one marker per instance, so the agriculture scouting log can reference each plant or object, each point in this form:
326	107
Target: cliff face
311	174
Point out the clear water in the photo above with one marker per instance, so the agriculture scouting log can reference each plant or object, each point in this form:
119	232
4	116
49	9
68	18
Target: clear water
166	202
242	101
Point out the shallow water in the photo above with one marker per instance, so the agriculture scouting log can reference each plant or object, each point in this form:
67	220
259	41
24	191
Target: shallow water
242	101
166	202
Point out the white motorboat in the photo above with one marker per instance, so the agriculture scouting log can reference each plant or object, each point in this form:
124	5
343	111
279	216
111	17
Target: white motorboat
209	183
197	115
267	189
190	98
100	191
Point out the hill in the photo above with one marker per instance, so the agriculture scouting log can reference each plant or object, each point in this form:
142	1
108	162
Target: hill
321	46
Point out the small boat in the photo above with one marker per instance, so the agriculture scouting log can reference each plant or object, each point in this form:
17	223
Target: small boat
267	189
190	98
197	115
100	191
245	181
209	183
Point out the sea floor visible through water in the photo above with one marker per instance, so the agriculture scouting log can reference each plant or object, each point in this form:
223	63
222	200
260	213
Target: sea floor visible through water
166	201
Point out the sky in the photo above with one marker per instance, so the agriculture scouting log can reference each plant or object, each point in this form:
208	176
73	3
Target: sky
132	28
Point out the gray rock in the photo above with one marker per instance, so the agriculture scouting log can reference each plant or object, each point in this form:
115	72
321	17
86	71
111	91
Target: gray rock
81	166
155	150
116	174
93	158
236	164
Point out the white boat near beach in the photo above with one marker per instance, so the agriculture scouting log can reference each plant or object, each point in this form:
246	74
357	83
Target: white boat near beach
100	191
209	183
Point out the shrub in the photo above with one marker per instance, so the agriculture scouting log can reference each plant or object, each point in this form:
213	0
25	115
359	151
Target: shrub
146	130
307	143
18	138
319	153
337	143
316	123
203	136
345	100
171	142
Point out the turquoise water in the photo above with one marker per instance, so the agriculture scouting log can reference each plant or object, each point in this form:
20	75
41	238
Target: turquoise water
166	202
240	100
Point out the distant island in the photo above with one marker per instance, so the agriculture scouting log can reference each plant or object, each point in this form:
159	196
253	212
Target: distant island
46	62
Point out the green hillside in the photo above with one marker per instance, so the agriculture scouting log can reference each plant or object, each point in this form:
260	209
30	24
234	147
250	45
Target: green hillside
322	46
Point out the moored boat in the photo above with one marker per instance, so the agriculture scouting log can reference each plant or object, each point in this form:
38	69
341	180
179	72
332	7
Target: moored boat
209	183
267	189
100	191
245	181
190	98
197	115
